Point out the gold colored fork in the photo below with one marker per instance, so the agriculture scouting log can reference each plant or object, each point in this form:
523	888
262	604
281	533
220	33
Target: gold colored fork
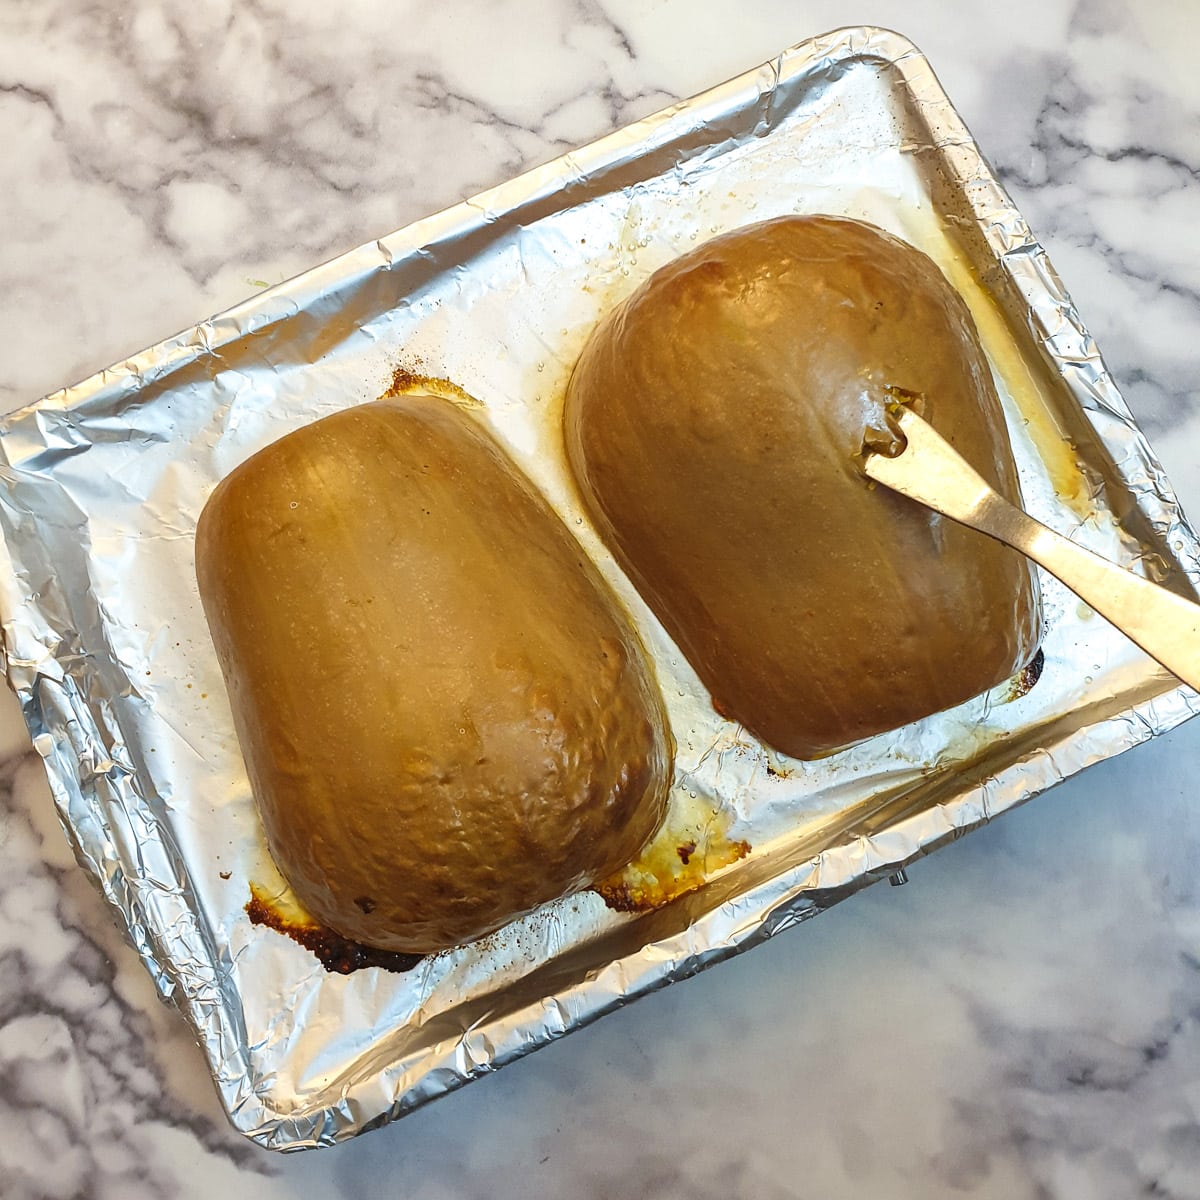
929	470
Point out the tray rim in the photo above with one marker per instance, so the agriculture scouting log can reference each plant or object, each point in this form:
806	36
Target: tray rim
800	893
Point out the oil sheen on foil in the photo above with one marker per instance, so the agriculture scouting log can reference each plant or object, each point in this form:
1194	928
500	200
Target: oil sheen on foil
107	646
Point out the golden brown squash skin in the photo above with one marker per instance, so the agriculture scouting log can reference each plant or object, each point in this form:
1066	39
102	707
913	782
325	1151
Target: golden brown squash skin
447	719
715	423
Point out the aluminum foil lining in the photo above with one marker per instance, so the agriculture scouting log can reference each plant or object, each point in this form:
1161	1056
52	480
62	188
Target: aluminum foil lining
107	647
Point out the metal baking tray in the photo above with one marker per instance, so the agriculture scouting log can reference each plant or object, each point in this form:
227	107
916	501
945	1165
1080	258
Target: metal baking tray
107	648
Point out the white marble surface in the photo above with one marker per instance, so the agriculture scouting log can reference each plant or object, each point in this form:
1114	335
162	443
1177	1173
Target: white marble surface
1022	1020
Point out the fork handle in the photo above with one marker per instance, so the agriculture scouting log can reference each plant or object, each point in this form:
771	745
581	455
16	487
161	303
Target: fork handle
1163	624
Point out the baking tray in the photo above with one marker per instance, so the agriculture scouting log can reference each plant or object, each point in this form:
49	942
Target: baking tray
107	648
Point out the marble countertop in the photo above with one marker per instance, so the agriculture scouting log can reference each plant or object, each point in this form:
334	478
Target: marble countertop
1023	1020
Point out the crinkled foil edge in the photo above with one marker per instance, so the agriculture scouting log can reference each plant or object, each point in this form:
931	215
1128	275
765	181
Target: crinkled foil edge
96	791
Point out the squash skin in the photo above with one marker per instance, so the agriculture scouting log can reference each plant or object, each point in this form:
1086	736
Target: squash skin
447	719
715	424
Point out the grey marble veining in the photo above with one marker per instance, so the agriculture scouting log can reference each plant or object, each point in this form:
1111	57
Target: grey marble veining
1109	173
1022	1020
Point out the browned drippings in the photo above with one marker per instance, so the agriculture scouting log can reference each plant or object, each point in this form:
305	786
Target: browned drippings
692	845
1024	679
334	952
1030	384
405	382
